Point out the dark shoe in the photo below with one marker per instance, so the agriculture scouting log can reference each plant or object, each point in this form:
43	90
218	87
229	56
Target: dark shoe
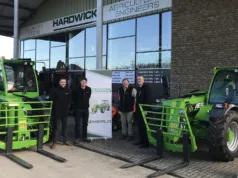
53	146
144	146
130	138
76	142
122	137
67	143
138	143
86	140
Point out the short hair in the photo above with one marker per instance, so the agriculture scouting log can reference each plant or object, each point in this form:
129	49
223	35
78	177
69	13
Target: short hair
62	78
140	76
125	79
84	78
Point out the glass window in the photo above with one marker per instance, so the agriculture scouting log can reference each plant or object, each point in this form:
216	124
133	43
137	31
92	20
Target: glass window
120	29
91	41
147	60
30	54
166	59
41	64
104	52
166	30
91	63
42	49
121	53
58	39
76	64
29	44
22	50
57	53
76	44
148	33
224	87
20	77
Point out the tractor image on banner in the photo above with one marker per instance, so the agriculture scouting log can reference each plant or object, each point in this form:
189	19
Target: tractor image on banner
104	106
24	116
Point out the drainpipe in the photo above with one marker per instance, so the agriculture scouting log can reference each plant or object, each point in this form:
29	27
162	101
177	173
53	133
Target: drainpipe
16	39
99	33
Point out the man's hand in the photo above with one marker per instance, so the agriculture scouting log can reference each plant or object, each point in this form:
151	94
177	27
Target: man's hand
119	112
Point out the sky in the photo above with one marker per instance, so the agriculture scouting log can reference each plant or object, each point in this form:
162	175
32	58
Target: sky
6	47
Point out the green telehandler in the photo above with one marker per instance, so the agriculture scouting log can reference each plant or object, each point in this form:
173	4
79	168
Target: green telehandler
210	115
181	124
24	115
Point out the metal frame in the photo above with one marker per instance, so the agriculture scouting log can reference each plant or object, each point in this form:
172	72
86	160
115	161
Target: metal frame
40	150
9	153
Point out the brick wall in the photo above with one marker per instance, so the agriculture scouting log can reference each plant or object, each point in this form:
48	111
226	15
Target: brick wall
204	35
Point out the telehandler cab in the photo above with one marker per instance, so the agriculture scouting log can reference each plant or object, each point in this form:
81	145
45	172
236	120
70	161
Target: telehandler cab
24	116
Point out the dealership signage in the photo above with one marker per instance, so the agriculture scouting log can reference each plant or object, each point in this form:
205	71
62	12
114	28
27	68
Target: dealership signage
110	12
118	76
133	7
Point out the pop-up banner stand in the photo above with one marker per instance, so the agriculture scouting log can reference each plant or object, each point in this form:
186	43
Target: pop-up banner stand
100	110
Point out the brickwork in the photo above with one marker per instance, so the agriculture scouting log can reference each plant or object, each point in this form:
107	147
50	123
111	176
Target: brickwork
204	35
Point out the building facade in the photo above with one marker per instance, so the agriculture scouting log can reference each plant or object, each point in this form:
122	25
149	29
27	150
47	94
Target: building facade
136	34
205	35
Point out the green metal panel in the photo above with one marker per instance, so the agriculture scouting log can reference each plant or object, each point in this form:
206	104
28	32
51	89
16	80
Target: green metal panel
52	9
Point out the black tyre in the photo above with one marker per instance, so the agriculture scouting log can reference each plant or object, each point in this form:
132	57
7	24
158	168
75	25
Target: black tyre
102	109
223	137
108	108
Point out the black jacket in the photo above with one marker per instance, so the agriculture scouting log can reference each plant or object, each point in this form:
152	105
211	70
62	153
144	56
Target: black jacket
127	101
81	97
144	95
61	98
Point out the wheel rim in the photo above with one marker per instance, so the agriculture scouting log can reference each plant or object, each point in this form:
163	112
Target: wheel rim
232	136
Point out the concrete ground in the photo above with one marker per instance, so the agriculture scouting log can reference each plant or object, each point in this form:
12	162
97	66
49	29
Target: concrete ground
80	164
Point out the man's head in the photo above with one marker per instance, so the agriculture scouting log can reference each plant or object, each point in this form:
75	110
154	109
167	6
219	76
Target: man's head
125	82
62	82
140	80
83	82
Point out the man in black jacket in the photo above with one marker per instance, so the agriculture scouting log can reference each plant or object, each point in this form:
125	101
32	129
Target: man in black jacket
127	101
61	97
81	96
143	97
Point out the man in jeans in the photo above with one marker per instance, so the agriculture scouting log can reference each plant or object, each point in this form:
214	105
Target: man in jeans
127	96
81	96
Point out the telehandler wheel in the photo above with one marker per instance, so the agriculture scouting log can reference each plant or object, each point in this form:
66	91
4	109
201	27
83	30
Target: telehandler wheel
223	137
102	109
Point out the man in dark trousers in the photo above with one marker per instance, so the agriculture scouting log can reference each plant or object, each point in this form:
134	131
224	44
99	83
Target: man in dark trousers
143	96
61	97
81	96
